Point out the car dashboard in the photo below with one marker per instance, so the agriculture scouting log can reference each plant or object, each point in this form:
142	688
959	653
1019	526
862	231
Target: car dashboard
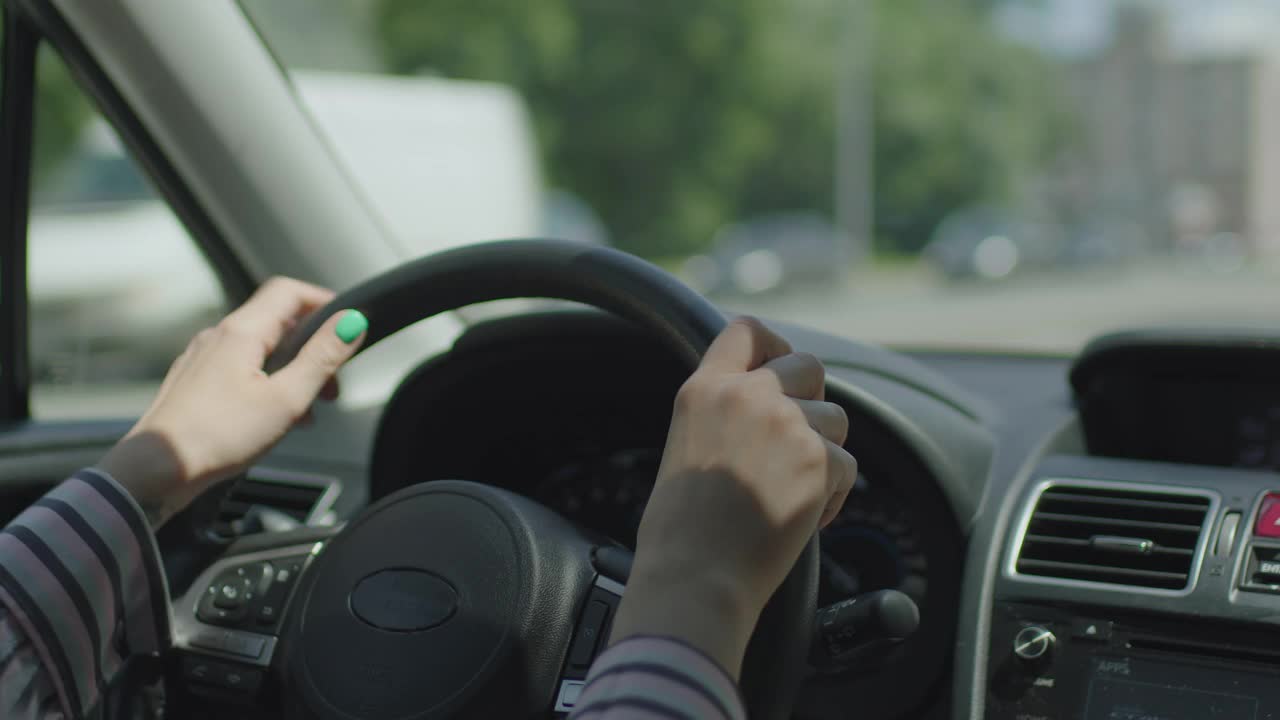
1091	538
1121	564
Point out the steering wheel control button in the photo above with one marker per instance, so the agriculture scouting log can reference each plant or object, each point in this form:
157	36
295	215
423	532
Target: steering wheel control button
1033	644
232	595
230	642
588	637
1268	525
268	614
1095	630
275	581
404	600
570	692
265	575
210	612
288	570
235	677
199	669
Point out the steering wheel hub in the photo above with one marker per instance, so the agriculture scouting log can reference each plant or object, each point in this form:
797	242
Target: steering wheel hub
435	604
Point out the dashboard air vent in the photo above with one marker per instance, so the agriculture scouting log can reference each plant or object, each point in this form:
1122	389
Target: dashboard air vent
305	499
1116	536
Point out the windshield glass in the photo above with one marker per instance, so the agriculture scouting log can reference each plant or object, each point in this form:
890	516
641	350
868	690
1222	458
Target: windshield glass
947	174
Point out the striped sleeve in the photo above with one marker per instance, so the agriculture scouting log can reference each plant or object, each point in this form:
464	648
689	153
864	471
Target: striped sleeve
81	589
658	678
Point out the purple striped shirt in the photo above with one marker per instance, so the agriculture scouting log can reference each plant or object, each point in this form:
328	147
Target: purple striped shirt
645	677
82	588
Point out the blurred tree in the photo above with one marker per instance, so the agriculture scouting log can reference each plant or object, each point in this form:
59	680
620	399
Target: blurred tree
61	112
961	115
647	109
671	117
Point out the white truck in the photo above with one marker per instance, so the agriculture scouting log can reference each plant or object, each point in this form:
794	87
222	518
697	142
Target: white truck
117	286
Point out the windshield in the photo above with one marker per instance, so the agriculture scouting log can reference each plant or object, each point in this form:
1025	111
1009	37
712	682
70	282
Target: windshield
946	174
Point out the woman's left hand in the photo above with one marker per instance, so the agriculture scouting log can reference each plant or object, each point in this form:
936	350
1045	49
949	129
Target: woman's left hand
217	411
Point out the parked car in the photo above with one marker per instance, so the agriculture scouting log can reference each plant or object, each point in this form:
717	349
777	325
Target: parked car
769	253
984	243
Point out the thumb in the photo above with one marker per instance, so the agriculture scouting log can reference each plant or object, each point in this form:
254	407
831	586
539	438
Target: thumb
319	359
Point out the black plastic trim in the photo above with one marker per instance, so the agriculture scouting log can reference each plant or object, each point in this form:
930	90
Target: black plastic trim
1213	352
20	44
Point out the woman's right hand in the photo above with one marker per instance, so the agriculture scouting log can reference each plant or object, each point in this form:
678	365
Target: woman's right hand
754	464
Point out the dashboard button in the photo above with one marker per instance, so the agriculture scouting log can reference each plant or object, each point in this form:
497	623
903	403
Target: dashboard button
1227	536
1098	630
1268	524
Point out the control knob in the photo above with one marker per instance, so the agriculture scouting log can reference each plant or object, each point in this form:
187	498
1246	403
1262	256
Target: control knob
1033	644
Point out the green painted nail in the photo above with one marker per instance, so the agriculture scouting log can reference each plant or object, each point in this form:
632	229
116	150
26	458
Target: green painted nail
351	325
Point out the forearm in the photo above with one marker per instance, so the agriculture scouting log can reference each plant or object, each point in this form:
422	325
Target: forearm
657	678
82	589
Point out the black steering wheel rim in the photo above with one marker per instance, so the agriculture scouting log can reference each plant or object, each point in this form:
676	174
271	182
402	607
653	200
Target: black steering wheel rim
634	290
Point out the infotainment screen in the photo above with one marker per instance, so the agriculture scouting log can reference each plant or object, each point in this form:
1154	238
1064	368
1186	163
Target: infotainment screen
1216	423
1200	421
1174	397
1141	689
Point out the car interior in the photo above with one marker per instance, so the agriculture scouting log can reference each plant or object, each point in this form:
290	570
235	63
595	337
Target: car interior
1031	537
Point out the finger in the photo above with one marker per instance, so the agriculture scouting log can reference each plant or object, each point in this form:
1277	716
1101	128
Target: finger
845	470
828	419
801	375
275	308
319	359
331	390
744	345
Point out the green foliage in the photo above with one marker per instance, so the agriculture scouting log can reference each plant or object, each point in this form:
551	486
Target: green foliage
61	111
962	116
644	109
672	117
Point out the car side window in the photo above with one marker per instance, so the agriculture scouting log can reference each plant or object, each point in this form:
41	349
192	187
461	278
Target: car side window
117	286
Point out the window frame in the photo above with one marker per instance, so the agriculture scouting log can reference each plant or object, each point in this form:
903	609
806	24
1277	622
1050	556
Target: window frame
17	91
27	24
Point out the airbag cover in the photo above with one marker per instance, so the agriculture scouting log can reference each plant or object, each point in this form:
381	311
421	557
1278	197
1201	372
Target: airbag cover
416	609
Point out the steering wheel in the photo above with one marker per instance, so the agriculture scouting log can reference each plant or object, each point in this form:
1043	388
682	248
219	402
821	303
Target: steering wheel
452	599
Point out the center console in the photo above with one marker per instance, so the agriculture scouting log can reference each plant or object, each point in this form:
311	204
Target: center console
1135	590
1077	663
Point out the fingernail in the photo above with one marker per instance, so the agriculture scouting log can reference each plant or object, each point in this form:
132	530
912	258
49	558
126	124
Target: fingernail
350	326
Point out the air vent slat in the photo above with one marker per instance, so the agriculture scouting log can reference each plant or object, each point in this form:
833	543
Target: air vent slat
1122	576
1075	542
294	495
1115	536
1114	522
1118	502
